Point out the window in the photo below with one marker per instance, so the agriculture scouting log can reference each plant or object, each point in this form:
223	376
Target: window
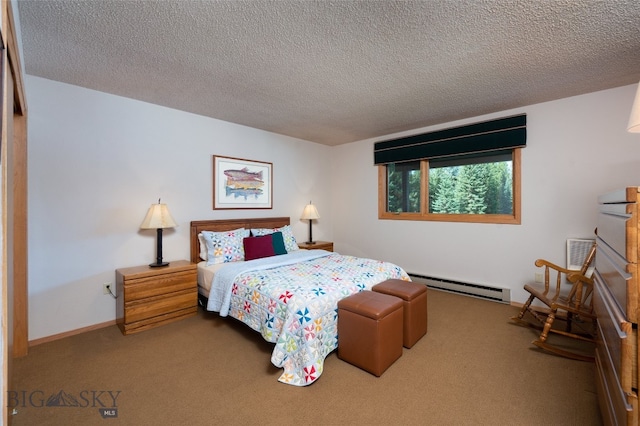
462	174
403	187
484	189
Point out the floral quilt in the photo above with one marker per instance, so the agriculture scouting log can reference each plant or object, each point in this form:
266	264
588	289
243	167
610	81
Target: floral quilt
292	301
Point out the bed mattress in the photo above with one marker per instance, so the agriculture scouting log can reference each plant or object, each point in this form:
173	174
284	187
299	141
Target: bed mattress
205	277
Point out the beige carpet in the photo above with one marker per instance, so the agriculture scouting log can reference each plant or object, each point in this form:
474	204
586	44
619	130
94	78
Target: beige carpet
472	368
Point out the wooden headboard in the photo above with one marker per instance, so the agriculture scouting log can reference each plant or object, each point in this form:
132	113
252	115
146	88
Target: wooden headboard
198	226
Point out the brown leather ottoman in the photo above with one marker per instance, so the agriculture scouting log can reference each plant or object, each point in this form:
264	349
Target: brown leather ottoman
370	331
414	297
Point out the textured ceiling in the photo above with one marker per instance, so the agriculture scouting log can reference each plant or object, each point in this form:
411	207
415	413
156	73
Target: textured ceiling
334	72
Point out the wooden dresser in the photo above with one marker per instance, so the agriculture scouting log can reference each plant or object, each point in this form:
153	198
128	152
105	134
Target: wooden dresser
148	297
616	305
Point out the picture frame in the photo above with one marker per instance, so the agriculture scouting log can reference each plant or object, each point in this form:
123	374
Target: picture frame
242	184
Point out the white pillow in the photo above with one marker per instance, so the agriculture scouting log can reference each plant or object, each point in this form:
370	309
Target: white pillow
226	246
203	246
287	235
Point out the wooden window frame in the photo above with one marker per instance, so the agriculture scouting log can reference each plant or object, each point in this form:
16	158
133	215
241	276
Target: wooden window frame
424	215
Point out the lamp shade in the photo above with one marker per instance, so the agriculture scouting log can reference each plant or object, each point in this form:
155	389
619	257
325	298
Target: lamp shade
310	212
158	217
634	118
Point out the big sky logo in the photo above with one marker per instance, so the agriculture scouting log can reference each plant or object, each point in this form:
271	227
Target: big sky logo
105	400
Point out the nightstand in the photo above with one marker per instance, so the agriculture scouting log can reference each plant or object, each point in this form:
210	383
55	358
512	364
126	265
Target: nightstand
148	297
321	245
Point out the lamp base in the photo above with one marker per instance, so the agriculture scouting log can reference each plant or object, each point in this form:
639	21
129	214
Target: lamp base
309	242
157	265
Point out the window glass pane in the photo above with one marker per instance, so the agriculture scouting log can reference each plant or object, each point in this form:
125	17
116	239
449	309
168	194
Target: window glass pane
471	185
403	187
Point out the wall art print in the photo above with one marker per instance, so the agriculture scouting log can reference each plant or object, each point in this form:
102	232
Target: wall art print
241	184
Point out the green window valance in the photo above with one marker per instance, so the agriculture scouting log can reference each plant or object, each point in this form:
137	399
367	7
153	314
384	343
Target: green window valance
478	138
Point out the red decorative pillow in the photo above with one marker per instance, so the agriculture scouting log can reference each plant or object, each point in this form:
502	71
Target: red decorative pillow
258	247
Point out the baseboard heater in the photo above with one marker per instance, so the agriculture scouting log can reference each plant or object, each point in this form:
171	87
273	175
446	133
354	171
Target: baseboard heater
502	295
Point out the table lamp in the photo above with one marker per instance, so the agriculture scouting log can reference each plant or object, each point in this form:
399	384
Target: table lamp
310	213
634	118
158	218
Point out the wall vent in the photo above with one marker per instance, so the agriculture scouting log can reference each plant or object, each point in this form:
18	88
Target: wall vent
577	252
502	295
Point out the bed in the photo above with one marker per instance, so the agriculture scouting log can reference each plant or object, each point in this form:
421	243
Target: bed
290	298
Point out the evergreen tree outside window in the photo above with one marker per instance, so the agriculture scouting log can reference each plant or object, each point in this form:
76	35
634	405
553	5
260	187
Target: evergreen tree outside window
482	185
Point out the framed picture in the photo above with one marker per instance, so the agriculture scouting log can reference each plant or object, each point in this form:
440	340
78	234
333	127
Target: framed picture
241	184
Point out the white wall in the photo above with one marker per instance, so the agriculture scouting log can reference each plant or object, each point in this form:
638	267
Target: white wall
96	164
577	148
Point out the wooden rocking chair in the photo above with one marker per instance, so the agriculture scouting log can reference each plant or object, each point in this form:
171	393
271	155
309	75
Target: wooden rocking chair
571	303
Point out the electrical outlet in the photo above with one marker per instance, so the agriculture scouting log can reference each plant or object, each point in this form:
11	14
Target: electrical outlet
106	287
539	278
